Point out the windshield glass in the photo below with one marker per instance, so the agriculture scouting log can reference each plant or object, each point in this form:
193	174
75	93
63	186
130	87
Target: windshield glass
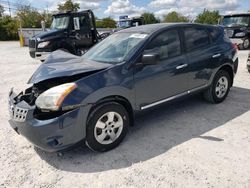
116	48
61	22
236	21
124	24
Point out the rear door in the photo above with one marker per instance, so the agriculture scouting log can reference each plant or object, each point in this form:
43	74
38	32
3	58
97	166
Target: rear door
167	78
200	54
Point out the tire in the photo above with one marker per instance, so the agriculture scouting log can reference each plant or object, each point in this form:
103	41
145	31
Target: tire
107	126
219	89
245	45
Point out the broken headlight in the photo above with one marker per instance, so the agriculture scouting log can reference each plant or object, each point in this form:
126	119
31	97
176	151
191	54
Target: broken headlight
53	97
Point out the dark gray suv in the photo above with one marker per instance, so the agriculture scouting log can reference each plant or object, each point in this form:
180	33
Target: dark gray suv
93	98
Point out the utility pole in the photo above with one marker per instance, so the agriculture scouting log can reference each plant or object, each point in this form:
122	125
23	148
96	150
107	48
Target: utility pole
9	8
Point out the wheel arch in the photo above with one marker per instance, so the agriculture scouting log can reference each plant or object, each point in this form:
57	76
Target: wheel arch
229	70
118	99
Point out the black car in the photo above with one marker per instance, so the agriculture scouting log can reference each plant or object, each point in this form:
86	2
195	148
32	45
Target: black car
94	98
237	28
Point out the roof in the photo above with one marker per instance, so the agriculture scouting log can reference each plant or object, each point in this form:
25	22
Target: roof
151	28
70	12
238	14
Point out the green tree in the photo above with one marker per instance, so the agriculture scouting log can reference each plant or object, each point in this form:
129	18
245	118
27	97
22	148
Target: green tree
69	6
149	18
106	23
1	10
29	17
208	17
8	28
175	17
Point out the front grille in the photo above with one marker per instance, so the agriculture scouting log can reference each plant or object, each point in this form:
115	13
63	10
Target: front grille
32	43
18	114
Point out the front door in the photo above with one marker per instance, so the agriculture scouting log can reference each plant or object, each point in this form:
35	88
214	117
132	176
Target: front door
82	27
168	77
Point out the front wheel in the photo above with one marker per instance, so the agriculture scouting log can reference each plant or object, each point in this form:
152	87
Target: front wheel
107	126
245	45
220	88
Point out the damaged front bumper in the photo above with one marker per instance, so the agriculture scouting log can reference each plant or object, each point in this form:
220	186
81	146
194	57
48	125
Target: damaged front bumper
51	135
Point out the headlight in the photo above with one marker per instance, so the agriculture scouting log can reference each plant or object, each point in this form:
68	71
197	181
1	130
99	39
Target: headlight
53	97
43	44
240	34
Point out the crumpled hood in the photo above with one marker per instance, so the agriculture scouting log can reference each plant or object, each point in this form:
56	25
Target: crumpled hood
60	64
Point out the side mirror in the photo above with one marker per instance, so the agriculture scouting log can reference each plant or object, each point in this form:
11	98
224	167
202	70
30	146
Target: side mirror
150	59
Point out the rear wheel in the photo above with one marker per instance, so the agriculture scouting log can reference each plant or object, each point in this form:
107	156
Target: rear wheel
107	126
220	88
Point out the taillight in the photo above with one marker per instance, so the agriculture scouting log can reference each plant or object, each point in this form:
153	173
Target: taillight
235	46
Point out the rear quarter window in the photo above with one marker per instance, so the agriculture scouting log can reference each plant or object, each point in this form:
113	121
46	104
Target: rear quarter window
215	33
196	38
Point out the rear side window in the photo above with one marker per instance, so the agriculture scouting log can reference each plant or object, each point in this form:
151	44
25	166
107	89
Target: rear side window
214	33
167	44
196	38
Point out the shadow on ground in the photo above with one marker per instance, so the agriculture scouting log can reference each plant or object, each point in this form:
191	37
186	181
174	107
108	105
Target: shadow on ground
157	131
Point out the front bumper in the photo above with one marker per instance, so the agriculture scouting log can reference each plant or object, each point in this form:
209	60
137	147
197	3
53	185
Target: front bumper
39	55
51	135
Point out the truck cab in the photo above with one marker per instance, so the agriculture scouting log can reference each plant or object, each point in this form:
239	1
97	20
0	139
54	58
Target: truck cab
74	32
237	28
126	22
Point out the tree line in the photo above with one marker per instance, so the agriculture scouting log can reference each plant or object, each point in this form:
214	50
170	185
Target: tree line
28	17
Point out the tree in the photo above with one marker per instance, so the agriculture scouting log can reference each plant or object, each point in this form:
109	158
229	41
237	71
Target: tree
106	23
1	10
30	17
175	17
68	6
8	28
149	18
208	17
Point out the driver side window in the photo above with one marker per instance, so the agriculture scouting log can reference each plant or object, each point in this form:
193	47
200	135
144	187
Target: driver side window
167	45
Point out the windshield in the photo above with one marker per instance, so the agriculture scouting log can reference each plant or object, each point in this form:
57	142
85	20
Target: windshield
236	21
61	22
116	48
124	24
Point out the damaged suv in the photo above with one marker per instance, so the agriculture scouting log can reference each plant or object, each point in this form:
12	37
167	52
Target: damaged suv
93	98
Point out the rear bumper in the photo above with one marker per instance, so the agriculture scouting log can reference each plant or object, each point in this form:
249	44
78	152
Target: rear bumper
51	135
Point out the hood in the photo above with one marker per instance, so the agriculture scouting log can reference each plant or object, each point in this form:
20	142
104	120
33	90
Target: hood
50	33
60	64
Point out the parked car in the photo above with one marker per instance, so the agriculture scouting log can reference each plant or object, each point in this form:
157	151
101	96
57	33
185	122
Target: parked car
237	27
248	62
94	97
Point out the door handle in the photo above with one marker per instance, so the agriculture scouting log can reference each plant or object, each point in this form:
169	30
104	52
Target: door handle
181	66
216	55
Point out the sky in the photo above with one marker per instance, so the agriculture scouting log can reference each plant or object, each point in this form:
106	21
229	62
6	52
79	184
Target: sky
116	8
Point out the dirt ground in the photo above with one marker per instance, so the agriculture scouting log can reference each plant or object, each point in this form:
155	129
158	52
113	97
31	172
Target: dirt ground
189	143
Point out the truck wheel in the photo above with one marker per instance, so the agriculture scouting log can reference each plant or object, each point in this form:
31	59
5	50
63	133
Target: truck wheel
245	45
219	89
107	126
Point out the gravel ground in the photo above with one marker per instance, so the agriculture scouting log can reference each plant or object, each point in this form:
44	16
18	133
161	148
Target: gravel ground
189	143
